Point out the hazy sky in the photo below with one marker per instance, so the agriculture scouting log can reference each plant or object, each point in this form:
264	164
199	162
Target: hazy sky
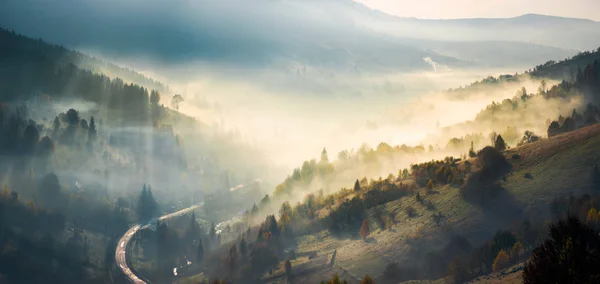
446	9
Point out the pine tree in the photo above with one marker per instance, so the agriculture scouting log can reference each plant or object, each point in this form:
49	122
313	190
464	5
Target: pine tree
472	153
243	247
199	251
500	145
324	158
193	229
254	210
356	185
56	124
92	133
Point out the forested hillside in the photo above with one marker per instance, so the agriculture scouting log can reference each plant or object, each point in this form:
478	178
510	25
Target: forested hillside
16	46
84	155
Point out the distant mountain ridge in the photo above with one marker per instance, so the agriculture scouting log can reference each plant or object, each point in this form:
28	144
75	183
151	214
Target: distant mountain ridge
339	35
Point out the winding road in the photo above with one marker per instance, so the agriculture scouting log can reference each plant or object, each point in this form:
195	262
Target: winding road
121	250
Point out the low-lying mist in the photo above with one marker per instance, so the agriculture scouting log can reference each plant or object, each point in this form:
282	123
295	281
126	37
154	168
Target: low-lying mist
292	122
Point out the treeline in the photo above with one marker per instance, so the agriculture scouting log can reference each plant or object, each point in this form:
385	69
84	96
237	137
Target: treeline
325	171
566	69
511	116
65	56
30	70
590	116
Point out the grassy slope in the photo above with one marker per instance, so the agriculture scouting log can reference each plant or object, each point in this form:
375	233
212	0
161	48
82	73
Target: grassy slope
558	166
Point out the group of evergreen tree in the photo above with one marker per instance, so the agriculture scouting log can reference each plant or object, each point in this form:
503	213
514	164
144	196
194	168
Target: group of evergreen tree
31	68
590	116
147	205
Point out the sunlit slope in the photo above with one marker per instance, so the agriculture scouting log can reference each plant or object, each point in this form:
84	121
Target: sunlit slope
557	166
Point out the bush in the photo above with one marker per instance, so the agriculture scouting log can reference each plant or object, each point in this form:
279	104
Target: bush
394	272
492	163
570	255
410	211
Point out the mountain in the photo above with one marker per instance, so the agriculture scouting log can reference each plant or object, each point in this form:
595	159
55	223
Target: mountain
560	32
239	33
340	35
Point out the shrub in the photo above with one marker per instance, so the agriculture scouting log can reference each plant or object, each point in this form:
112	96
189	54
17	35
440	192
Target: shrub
392	271
418	197
410	211
492	163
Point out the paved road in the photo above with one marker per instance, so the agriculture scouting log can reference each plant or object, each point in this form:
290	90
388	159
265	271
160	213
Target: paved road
121	250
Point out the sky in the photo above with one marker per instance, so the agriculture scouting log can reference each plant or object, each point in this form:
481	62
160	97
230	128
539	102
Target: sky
451	9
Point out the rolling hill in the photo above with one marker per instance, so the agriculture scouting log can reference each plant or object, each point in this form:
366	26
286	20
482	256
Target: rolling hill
338	35
541	172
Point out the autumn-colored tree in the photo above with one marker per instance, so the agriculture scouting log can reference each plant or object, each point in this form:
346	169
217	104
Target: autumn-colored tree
335	280
367	280
364	229
593	216
501	262
430	185
285	215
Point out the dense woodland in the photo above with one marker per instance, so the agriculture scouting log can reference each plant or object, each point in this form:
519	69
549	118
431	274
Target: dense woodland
77	149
